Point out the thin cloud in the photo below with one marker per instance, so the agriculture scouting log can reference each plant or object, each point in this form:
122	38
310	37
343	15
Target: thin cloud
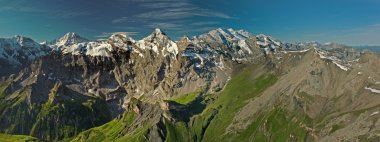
169	10
165	5
166	14
167	26
204	23
54	13
106	35
180	13
120	20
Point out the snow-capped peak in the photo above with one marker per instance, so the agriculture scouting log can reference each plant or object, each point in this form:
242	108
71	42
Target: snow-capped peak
44	42
157	37
265	40
69	39
120	40
25	42
226	36
19	49
221	32
244	33
157	34
158	40
158	31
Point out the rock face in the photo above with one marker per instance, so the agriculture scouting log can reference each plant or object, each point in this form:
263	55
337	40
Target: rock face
157	89
105	74
18	52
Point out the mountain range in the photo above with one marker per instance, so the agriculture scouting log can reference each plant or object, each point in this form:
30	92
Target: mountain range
224	85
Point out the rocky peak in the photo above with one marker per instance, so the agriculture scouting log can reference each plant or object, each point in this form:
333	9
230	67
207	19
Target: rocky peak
265	40
158	31
185	38
19	38
21	41
157	35
120	40
70	38
159	42
223	36
239	34
183	43
18	52
220	32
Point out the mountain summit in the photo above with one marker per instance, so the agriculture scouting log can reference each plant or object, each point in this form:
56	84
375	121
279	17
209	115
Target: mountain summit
70	39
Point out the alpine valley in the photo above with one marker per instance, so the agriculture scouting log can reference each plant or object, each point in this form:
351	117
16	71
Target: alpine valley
224	85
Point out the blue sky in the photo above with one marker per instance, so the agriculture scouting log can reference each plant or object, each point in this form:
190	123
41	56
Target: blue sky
352	22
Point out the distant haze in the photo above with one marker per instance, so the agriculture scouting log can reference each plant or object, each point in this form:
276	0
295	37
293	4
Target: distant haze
370	48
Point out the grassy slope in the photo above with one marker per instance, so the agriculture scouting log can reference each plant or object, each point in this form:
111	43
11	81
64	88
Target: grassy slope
177	132
186	99
240	89
111	131
115	131
275	125
86	115
49	120
3	86
16	138
15	113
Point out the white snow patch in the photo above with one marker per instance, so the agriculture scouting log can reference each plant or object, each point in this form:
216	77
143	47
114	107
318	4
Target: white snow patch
155	49
155	92
277	43
335	60
172	48
138	52
141	55
374	113
321	54
220	64
91	91
200	58
98	49
245	46
142	45
341	66
300	51
262	43
372	90
267	51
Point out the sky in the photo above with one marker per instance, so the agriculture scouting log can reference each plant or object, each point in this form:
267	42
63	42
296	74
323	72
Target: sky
351	22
